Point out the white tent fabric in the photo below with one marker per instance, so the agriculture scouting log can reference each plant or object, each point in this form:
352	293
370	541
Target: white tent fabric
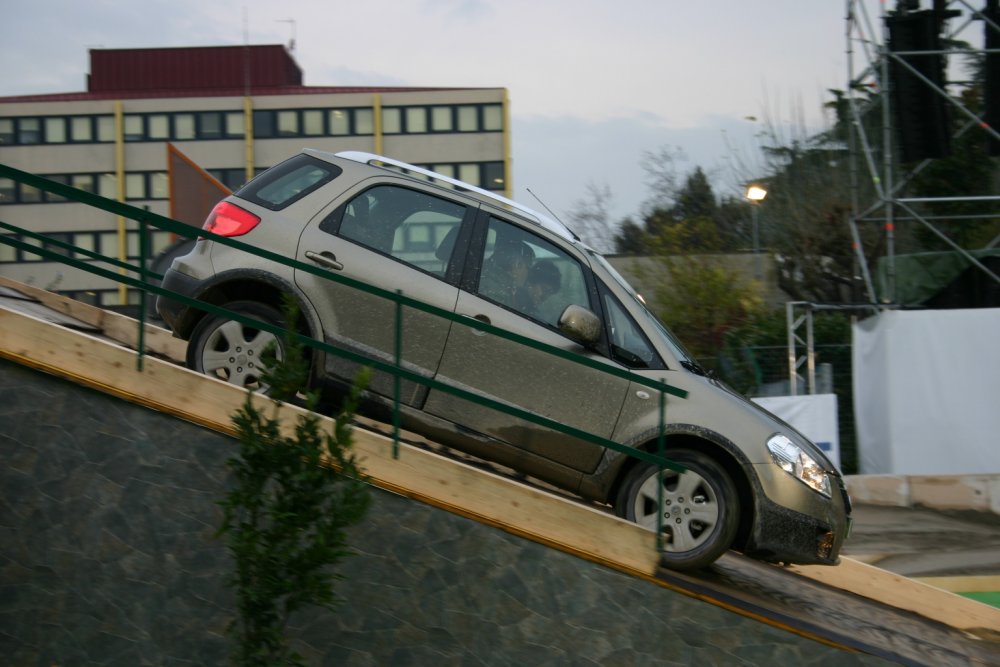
927	392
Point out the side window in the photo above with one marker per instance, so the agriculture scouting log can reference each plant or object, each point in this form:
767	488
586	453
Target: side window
413	227
629	346
288	182
529	275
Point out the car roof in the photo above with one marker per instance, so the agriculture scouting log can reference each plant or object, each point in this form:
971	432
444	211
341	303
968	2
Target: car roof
380	161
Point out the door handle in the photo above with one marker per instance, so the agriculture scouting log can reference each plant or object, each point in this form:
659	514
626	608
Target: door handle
485	320
325	259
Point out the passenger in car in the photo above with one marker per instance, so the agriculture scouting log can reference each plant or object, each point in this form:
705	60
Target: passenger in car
506	271
543	281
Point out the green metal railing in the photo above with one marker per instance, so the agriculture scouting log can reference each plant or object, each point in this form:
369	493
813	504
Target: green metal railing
139	277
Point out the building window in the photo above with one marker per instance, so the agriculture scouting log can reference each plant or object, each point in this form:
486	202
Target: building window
312	123
210	125
6	130
29	131
492	118
392	121
158	127
416	120
159	185
235	124
7	253
81	128
288	123
263	124
184	126
364	121
469	173
340	124
107	186
83	182
8	191
135	186
55	130
468	118
493	176
442	119
106	129
134	128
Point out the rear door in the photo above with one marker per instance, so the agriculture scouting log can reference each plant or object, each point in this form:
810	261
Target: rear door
509	372
394	236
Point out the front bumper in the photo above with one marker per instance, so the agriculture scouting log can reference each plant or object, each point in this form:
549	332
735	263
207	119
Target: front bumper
786	536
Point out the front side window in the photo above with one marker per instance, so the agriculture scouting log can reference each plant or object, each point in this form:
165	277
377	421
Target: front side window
530	275
629	346
413	227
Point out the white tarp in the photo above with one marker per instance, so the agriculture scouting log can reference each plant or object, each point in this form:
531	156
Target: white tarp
927	392
814	416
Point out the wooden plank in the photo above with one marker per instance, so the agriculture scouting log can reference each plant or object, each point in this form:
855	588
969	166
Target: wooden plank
115	326
898	591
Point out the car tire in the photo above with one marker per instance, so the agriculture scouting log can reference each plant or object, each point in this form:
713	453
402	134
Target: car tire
700	509
230	350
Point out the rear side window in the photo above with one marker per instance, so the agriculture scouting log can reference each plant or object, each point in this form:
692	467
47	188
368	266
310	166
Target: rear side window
413	227
288	182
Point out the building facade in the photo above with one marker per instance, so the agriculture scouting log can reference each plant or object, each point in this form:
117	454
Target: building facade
233	111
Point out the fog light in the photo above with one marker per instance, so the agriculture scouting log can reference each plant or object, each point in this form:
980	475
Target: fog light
825	545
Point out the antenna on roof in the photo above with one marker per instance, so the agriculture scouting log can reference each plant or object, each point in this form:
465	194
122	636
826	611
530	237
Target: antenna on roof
291	42
543	204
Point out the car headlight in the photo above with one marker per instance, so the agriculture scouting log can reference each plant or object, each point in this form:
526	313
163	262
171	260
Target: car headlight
792	459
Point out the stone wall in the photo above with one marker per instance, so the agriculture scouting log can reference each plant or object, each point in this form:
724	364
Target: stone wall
108	557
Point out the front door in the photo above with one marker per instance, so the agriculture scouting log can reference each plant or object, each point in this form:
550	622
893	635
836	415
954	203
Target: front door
527	301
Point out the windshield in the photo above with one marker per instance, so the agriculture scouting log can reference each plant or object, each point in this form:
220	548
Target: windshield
656	328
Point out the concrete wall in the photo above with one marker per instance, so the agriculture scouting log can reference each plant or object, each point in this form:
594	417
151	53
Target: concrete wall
107	557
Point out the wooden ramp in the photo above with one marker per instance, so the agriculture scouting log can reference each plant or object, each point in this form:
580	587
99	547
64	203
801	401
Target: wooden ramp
104	361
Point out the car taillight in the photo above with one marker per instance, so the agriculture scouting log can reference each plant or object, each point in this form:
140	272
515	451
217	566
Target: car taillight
228	219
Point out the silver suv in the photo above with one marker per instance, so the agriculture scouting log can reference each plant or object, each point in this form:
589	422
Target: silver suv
752	483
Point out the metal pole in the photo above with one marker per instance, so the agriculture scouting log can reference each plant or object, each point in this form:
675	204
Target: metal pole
755	225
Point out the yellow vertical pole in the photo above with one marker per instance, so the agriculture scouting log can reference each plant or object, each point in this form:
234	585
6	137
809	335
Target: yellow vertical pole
508	179
120	193
248	156
377	113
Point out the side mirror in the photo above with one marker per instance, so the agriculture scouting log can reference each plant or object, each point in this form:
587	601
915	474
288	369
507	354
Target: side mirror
581	325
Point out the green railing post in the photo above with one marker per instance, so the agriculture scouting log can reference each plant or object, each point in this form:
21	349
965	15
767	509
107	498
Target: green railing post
397	380
661	444
143	261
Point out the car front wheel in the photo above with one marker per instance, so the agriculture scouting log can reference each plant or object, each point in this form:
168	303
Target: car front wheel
231	350
696	511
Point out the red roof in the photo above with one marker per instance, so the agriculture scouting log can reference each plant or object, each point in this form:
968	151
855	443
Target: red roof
208	71
210	67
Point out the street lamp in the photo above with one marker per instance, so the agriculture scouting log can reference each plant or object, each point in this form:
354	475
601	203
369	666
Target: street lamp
756	194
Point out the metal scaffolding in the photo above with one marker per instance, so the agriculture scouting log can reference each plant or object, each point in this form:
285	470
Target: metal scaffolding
870	61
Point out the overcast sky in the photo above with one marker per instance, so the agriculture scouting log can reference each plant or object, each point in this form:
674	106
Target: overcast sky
593	84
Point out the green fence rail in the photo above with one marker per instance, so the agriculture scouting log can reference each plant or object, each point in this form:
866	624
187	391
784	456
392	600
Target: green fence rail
139	277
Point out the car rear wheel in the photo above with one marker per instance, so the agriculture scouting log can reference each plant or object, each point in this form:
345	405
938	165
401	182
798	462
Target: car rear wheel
231	350
697	511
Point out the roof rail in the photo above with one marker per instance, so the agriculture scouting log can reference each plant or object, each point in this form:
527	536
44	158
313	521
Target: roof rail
543	220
